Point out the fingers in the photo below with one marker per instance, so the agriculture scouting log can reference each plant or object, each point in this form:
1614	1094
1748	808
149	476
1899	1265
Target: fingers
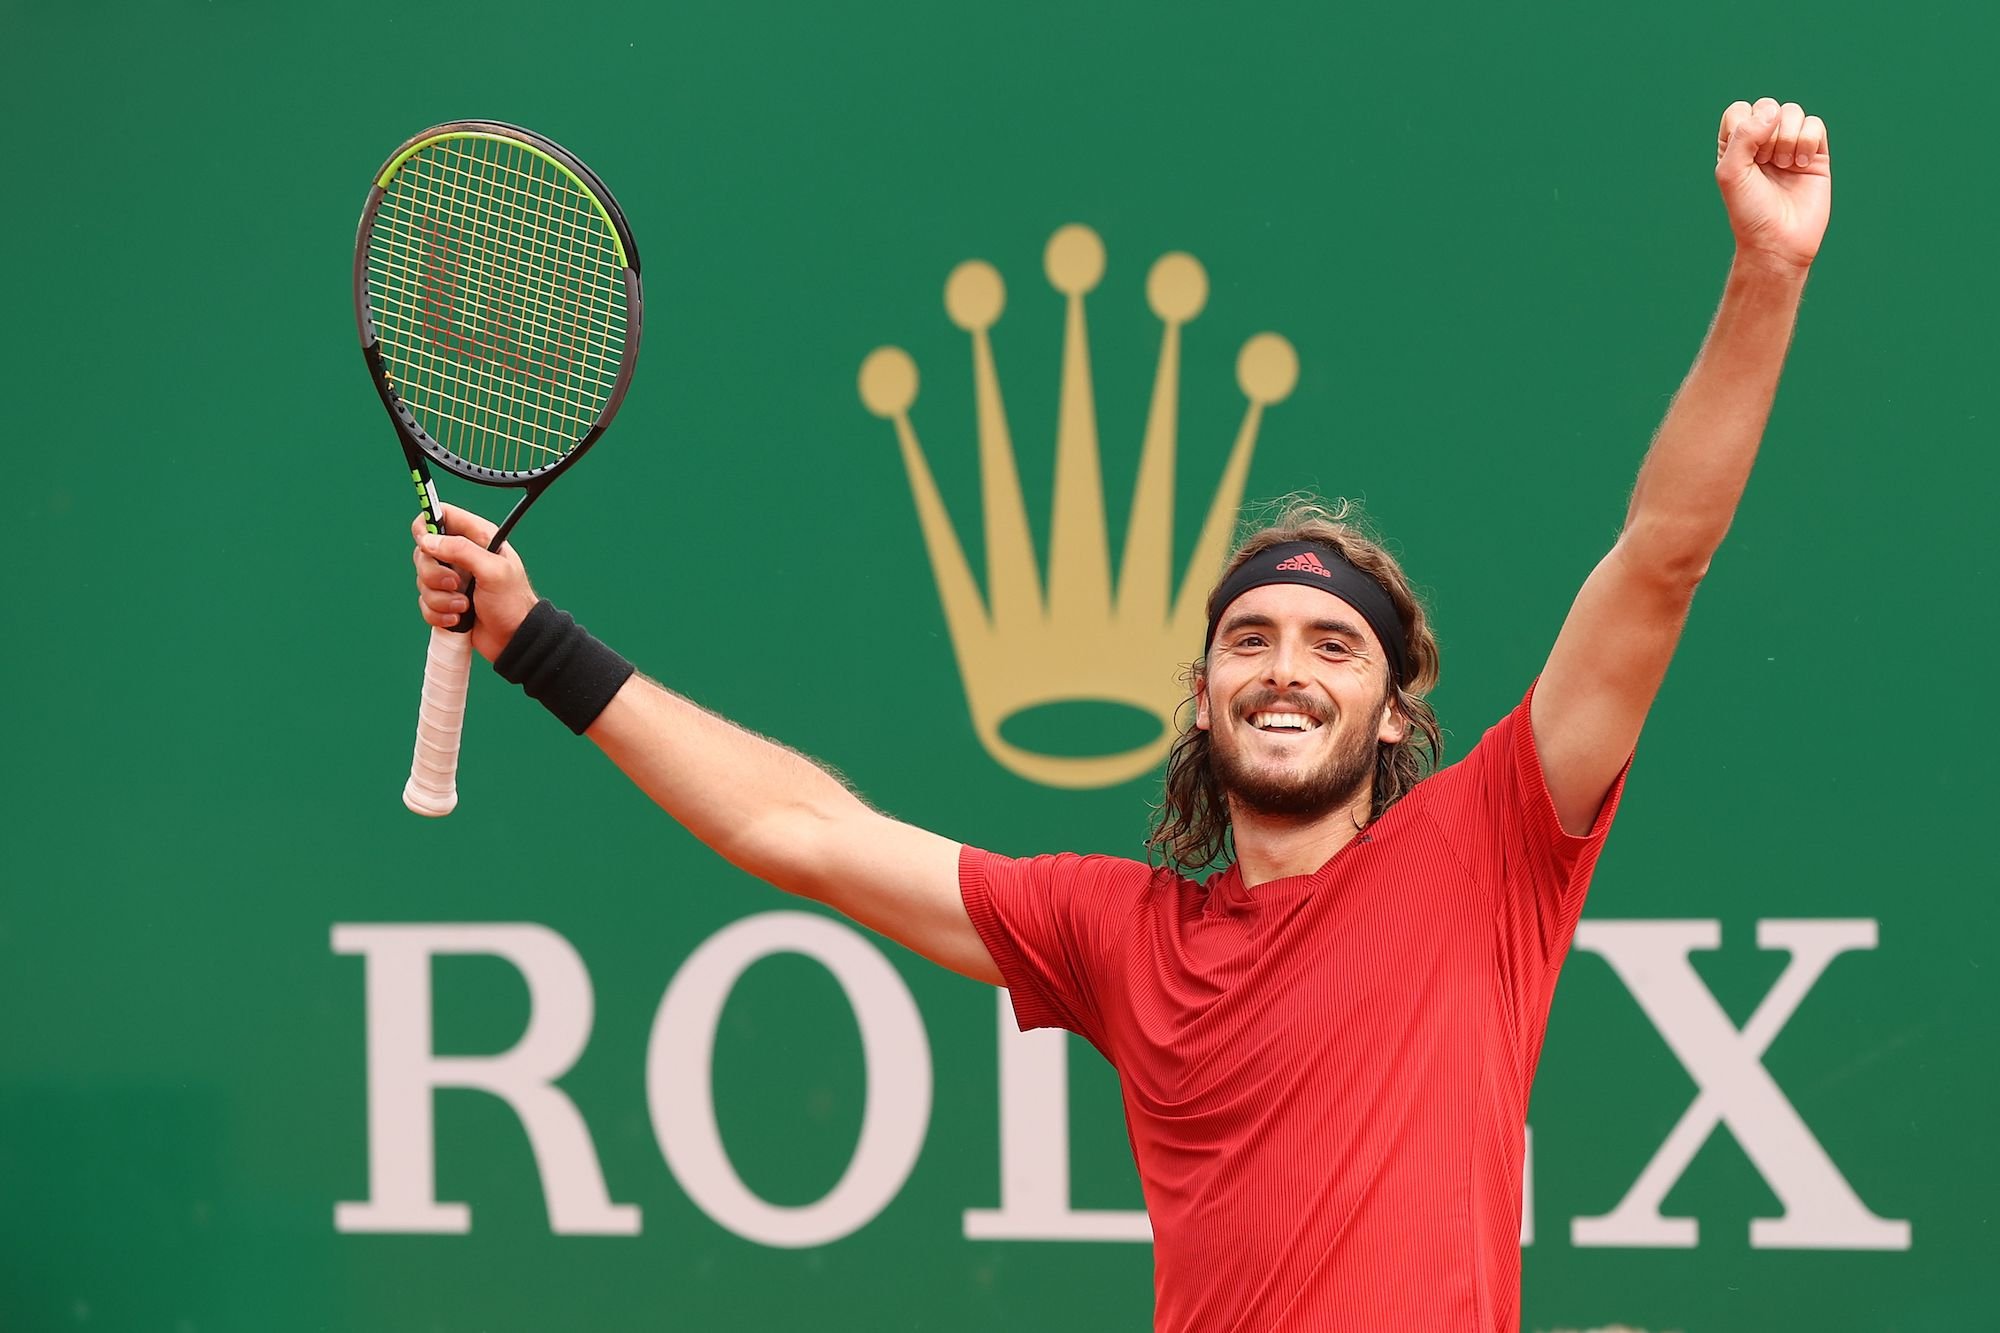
1748	132
467	524
441	609
1732	116
440	590
1785	143
1769	133
1769	111
462	553
440	582
462	544
431	574
1812	142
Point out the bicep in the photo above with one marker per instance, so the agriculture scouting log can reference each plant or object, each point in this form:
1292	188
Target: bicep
899	881
1600	681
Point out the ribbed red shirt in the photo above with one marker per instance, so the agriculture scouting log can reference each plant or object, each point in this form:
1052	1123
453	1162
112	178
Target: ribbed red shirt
1325	1077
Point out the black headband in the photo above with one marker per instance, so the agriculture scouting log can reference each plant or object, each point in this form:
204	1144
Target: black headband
1315	566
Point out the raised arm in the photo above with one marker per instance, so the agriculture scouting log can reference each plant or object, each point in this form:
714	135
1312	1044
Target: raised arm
761	806
1776	179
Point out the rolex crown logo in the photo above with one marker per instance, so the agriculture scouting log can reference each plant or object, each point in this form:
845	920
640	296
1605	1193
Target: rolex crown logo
1026	645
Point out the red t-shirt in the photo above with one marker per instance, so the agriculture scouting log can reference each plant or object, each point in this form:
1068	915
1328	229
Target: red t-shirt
1325	1077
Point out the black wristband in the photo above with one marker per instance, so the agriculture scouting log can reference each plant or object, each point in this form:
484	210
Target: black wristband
562	667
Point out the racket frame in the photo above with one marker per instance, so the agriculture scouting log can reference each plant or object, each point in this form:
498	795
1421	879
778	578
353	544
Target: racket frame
420	449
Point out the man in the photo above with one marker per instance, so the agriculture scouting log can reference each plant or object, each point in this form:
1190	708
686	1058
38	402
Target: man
1326	1049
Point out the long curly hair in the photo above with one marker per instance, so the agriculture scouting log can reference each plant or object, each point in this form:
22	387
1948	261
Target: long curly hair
1191	826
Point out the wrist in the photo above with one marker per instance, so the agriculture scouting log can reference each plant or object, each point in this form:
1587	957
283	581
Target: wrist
1765	268
562	667
503	618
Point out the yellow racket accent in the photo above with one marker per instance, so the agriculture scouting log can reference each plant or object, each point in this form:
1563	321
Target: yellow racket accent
396	163
496	283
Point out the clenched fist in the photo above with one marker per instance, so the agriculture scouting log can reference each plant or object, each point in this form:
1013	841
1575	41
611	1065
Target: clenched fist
1776	176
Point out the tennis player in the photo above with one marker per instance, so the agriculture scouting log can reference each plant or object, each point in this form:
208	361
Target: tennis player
1325	1050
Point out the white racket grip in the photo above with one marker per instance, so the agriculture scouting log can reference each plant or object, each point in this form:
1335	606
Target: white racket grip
433	785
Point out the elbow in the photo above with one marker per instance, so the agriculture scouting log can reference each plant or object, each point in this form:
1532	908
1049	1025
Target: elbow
1672	568
1665	575
1684	574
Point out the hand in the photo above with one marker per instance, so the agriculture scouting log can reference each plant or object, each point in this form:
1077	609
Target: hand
1776	176
501	581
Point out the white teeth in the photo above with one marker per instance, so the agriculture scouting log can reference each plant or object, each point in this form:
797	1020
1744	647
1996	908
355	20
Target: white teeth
1285	721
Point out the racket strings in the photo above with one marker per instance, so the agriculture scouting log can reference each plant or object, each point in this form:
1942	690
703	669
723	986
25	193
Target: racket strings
540	230
481	244
499	301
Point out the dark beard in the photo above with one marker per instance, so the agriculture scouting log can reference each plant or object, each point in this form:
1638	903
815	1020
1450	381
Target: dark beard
1335	783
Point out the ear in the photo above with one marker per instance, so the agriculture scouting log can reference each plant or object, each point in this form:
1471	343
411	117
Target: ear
1201	703
1394	725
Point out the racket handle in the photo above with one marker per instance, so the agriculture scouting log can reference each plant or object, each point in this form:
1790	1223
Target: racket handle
433	785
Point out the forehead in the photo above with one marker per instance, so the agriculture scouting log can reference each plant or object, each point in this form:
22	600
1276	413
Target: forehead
1295	606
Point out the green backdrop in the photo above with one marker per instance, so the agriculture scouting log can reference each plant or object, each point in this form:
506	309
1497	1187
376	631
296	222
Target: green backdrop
1491	235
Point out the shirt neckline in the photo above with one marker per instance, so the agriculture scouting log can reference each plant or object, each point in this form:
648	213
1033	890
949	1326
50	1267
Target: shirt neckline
1225	888
1227	892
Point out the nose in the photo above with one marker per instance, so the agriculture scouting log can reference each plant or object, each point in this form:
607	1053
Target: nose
1284	666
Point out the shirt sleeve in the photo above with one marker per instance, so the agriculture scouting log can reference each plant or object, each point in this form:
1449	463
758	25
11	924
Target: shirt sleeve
1498	811
1050	923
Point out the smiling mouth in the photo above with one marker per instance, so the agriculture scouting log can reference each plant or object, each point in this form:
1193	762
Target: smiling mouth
1283	722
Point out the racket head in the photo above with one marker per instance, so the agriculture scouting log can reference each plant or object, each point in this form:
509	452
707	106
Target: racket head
497	295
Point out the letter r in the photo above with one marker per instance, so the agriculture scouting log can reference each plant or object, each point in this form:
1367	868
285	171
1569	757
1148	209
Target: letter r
403	1071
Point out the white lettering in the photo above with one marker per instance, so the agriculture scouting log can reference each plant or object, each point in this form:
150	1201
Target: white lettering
1034	1149
403	1071
1527	1186
895	1048
1821	1209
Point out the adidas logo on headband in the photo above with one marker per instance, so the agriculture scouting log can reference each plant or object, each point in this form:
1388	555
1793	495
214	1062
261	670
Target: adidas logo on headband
1308	563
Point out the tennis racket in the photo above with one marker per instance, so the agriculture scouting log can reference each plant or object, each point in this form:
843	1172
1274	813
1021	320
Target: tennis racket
496	287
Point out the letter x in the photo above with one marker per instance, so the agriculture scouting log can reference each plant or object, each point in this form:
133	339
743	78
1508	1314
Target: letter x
1821	1211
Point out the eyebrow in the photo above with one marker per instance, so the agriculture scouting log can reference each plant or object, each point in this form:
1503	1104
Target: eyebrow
1247	619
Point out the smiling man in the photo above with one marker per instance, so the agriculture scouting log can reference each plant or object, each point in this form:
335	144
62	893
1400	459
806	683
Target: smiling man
1325	1049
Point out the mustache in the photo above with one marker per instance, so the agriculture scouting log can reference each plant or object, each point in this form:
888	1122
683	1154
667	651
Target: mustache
1267	699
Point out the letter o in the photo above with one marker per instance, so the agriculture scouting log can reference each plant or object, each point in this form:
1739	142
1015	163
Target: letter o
680	1087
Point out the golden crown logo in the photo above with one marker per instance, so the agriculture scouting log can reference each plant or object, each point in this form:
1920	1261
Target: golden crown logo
1022	648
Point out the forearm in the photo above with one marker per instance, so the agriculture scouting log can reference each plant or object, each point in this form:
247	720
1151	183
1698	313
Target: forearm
751	800
1700	460
763	807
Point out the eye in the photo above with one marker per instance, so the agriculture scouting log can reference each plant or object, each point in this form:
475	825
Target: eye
1335	647
1251	640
